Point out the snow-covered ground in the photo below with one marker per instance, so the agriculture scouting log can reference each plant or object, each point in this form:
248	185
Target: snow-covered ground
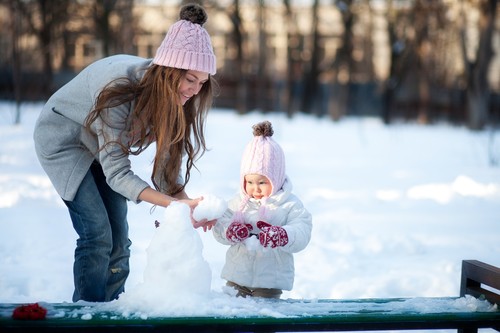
395	208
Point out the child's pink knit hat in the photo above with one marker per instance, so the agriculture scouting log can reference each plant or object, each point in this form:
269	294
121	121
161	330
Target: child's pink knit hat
264	156
187	44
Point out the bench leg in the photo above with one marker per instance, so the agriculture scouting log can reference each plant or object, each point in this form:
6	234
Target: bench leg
475	273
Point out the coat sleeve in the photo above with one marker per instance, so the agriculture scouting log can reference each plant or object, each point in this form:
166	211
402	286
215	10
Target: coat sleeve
115	163
298	227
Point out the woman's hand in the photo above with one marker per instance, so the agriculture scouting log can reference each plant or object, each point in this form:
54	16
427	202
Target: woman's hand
192	203
152	196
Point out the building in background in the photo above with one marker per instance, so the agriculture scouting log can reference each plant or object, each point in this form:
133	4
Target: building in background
350	57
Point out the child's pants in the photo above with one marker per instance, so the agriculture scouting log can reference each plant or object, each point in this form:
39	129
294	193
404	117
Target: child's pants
257	292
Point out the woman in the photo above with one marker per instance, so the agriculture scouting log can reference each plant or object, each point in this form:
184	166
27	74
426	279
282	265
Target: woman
114	108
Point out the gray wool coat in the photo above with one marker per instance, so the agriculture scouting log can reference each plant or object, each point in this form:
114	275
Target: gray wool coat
66	150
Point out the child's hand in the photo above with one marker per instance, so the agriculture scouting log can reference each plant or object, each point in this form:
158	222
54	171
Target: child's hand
272	235
238	232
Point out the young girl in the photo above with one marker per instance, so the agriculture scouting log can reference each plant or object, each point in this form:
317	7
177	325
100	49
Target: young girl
265	209
116	107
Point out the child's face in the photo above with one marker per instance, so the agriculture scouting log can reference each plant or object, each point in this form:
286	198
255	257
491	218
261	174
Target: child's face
258	186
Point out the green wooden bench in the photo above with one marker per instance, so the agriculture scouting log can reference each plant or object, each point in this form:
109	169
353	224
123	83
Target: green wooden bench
480	280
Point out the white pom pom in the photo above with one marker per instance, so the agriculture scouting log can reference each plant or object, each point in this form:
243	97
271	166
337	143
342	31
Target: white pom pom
210	208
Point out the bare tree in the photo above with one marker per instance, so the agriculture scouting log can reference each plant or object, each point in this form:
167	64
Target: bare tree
101	11
476	70
237	38
426	23
16	59
294	62
416	66
343	62
115	38
311	79
127	27
45	19
261	79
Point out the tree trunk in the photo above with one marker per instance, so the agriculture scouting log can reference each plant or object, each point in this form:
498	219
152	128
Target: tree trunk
45	37
239	75
477	70
261	79
293	68
311	82
342	65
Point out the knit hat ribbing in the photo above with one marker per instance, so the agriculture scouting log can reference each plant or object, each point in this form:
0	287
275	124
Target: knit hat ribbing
264	156
187	44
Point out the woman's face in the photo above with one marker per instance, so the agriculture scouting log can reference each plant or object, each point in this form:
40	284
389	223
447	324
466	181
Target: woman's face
191	84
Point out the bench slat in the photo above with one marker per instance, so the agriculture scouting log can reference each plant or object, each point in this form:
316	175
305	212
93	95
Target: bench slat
316	315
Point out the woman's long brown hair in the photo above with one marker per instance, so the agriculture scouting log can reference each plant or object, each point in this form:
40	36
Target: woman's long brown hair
158	115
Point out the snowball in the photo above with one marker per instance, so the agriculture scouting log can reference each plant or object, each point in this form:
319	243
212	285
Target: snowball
210	208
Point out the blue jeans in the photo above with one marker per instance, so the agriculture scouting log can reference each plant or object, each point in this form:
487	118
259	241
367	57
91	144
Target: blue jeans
99	216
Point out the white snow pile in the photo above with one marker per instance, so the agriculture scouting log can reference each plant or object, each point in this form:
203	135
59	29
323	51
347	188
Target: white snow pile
176	277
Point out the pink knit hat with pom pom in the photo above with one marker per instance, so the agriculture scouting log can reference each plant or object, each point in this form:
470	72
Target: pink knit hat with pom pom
264	156
187	44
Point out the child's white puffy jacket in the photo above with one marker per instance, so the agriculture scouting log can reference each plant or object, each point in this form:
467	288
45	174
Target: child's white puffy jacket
258	267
